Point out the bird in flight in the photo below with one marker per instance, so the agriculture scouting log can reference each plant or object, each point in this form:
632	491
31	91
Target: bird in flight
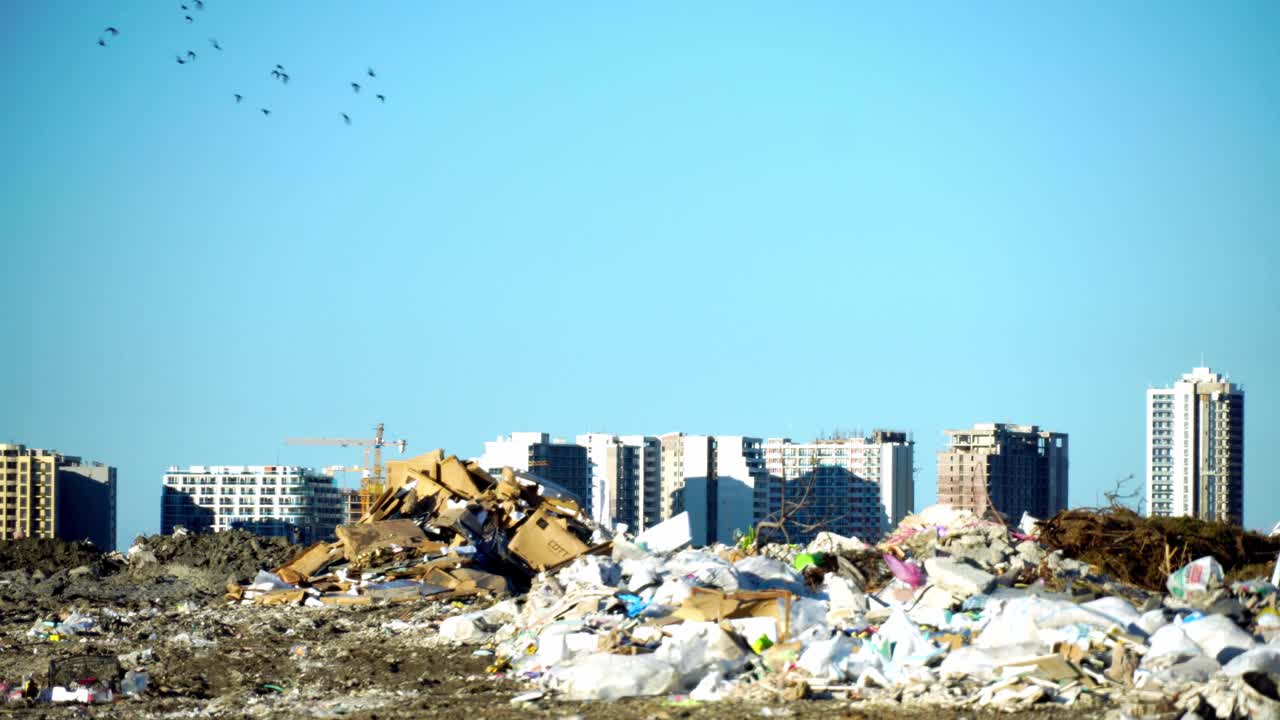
189	18
191	55
181	61
371	73
265	112
184	6
382	98
345	118
199	4
355	86
214	43
111	31
102	42
284	78
238	98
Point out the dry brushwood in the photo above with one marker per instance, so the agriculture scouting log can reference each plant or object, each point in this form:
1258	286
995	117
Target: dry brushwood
1144	551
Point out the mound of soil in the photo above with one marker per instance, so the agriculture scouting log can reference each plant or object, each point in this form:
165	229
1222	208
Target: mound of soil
51	555
1144	551
233	553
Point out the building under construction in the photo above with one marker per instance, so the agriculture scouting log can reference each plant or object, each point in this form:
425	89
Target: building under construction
1011	469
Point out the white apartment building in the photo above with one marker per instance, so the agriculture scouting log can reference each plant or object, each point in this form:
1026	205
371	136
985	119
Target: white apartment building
625	479
1195	448
299	503
855	486
714	478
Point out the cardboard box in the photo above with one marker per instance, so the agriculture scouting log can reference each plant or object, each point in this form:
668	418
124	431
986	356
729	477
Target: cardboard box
544	540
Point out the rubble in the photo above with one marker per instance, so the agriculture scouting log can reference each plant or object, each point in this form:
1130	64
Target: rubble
507	593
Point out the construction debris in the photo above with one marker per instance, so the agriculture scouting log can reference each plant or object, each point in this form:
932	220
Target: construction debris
442	528
950	612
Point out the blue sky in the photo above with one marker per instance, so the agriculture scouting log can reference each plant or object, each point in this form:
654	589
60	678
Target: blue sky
739	218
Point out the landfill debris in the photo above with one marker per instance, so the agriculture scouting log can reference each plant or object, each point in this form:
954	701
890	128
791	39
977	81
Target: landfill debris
1195	579
495	595
442	528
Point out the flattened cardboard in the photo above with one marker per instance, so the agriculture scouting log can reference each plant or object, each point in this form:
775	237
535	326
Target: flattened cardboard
359	540
544	540
281	597
345	599
461	518
427	464
1049	667
455	476
310	562
710	605
428	487
480	580
480	476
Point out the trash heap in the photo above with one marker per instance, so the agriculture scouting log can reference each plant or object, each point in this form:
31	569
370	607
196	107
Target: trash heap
975	615
950	609
443	529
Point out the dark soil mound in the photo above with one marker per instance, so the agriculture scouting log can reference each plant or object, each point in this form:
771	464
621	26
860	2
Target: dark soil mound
233	553
50	556
1144	551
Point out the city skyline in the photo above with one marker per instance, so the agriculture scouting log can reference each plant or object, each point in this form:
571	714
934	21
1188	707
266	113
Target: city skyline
719	218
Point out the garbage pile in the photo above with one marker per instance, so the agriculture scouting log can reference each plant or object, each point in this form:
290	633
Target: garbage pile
443	529
976	615
950	610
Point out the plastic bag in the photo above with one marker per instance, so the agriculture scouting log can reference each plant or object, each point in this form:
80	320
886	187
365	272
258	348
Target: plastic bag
603	676
764	573
696	648
1195	578
907	572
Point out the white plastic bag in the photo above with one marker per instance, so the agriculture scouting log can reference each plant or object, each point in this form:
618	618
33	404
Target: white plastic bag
696	648
604	676
1195	578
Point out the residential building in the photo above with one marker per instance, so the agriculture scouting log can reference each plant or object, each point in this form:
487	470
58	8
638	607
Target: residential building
352	505
45	494
1195	448
1008	468
298	503
855	486
625	479
562	464
714	478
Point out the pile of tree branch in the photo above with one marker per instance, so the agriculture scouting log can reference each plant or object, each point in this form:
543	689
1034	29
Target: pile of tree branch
1144	551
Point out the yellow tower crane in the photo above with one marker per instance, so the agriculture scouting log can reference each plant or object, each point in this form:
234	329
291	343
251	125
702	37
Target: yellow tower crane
372	481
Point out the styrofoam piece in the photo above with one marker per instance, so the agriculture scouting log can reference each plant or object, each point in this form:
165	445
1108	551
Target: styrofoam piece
668	535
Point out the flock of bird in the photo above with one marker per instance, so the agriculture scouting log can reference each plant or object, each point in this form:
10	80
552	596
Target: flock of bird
278	72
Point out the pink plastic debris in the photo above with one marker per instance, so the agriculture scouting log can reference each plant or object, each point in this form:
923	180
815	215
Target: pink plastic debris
907	572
